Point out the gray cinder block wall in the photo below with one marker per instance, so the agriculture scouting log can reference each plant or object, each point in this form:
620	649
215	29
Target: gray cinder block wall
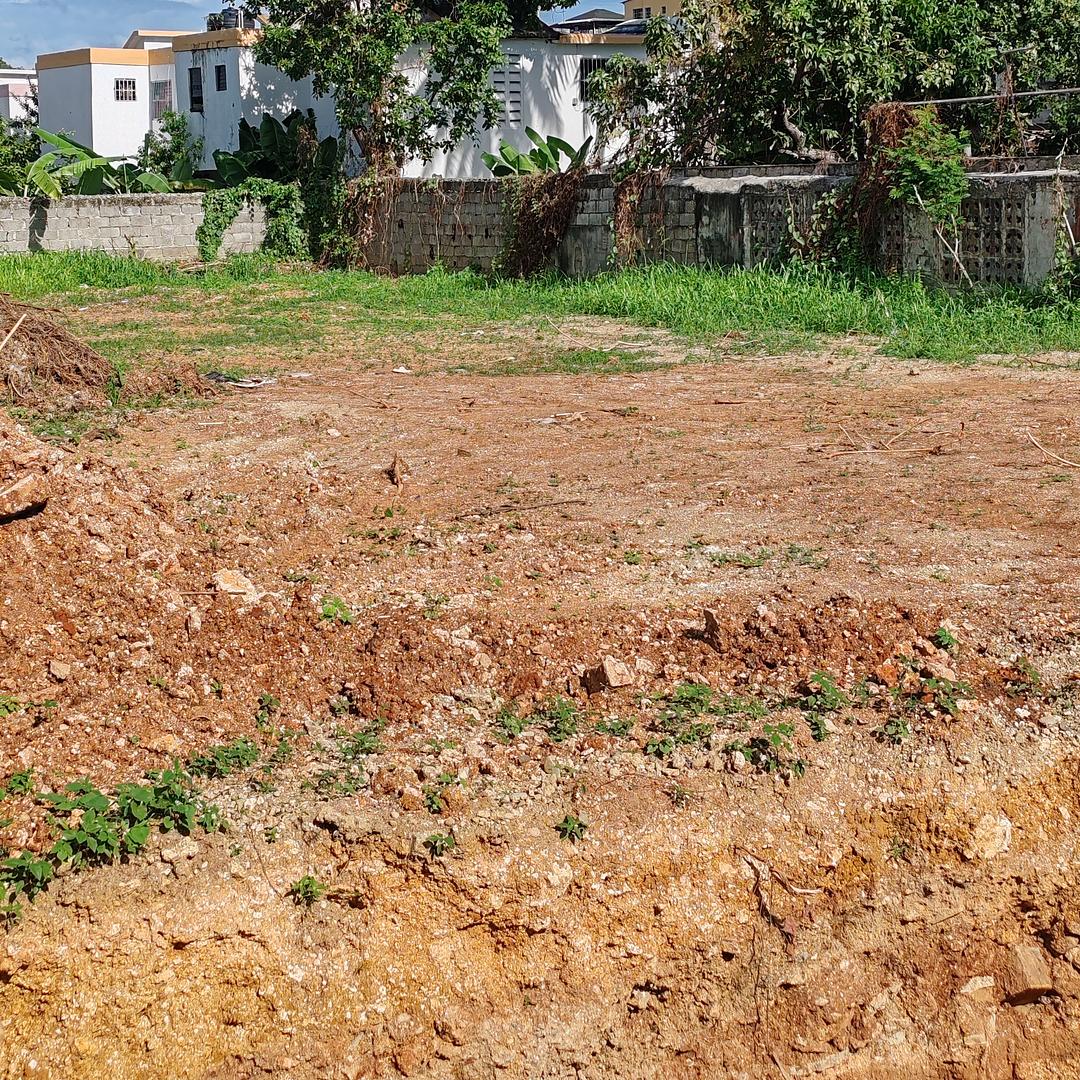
740	216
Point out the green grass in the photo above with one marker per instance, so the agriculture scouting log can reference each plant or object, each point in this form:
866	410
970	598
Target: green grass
247	302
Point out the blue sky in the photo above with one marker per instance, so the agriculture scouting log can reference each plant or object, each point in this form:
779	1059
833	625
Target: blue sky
29	27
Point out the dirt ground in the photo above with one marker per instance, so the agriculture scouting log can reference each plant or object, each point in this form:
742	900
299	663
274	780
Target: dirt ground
908	906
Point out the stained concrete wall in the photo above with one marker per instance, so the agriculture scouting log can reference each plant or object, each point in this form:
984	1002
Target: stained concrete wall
734	217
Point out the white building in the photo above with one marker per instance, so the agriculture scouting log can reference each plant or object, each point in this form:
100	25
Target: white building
110	98
16	92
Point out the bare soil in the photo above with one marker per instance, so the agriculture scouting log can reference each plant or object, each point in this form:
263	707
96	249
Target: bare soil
902	909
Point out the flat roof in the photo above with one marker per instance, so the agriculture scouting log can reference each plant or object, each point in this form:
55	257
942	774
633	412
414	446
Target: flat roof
118	57
135	35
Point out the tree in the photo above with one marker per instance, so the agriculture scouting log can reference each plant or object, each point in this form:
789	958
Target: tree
769	79
354	51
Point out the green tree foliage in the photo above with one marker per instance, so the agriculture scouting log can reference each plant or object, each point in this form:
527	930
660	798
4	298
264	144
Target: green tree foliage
774	79
353	51
172	151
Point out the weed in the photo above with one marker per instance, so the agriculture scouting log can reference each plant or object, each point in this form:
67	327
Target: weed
360	743
18	783
945	639
632	557
741	559
571	828
895	730
797	555
899	849
508	725
824	694
270	834
334	609
1024	677
438	844
268	706
434	604
620	727
434	794
560	716
340	705
307	890
819	726
772	751
224	759
348	781
680	796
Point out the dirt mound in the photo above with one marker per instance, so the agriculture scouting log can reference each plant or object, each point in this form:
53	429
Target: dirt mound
42	364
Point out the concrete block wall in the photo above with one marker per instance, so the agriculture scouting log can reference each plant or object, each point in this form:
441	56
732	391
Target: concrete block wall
718	217
161	227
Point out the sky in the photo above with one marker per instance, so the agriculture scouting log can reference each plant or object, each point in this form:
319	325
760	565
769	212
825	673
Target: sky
29	27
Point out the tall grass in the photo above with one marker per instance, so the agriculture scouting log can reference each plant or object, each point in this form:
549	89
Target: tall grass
909	317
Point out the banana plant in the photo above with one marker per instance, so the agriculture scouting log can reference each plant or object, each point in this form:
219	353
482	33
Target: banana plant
71	168
545	156
271	150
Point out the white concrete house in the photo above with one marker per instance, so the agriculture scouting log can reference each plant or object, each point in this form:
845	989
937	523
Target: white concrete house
110	98
16	92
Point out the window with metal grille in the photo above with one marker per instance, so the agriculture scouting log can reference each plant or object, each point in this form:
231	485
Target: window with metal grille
124	89
639	13
221	80
160	98
587	67
506	79
195	97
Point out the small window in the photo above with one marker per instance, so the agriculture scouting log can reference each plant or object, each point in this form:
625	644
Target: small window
195	89
587	67
639	13
124	89
221	80
160	98
506	81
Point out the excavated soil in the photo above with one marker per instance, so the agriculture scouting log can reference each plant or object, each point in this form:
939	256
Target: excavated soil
906	907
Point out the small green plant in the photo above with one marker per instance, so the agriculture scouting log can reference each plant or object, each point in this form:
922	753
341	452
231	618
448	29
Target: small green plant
270	834
773	751
895	730
741	559
438	844
560	716
680	796
618	726
797	555
824	694
545	156
1024	677
434	604
307	890
571	828
360	743
927	168
435	793
632	557
18	783
508	725
224	759
268	706
945	639
437	746
334	609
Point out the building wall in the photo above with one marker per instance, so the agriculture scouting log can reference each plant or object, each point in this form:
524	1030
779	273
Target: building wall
550	103
15	100
65	102
119	127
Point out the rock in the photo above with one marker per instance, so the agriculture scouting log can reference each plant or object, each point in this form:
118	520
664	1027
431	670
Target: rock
979	988
936	669
611	673
991	837
194	622
186	847
1027	976
235	584
59	669
23	495
712	622
737	761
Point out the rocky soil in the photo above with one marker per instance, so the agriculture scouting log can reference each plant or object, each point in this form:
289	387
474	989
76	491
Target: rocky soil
743	698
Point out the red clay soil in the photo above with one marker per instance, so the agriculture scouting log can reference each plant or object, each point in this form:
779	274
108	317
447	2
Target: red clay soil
908	907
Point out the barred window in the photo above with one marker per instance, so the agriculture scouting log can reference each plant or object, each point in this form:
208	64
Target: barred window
160	98
124	89
221	80
589	66
195	94
506	79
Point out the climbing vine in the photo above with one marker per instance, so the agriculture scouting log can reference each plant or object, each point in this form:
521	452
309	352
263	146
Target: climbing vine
537	211
285	233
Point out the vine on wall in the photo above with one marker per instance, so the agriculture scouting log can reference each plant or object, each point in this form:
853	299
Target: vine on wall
537	211
285	233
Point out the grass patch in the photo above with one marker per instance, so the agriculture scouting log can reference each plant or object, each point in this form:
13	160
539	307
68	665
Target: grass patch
254	303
